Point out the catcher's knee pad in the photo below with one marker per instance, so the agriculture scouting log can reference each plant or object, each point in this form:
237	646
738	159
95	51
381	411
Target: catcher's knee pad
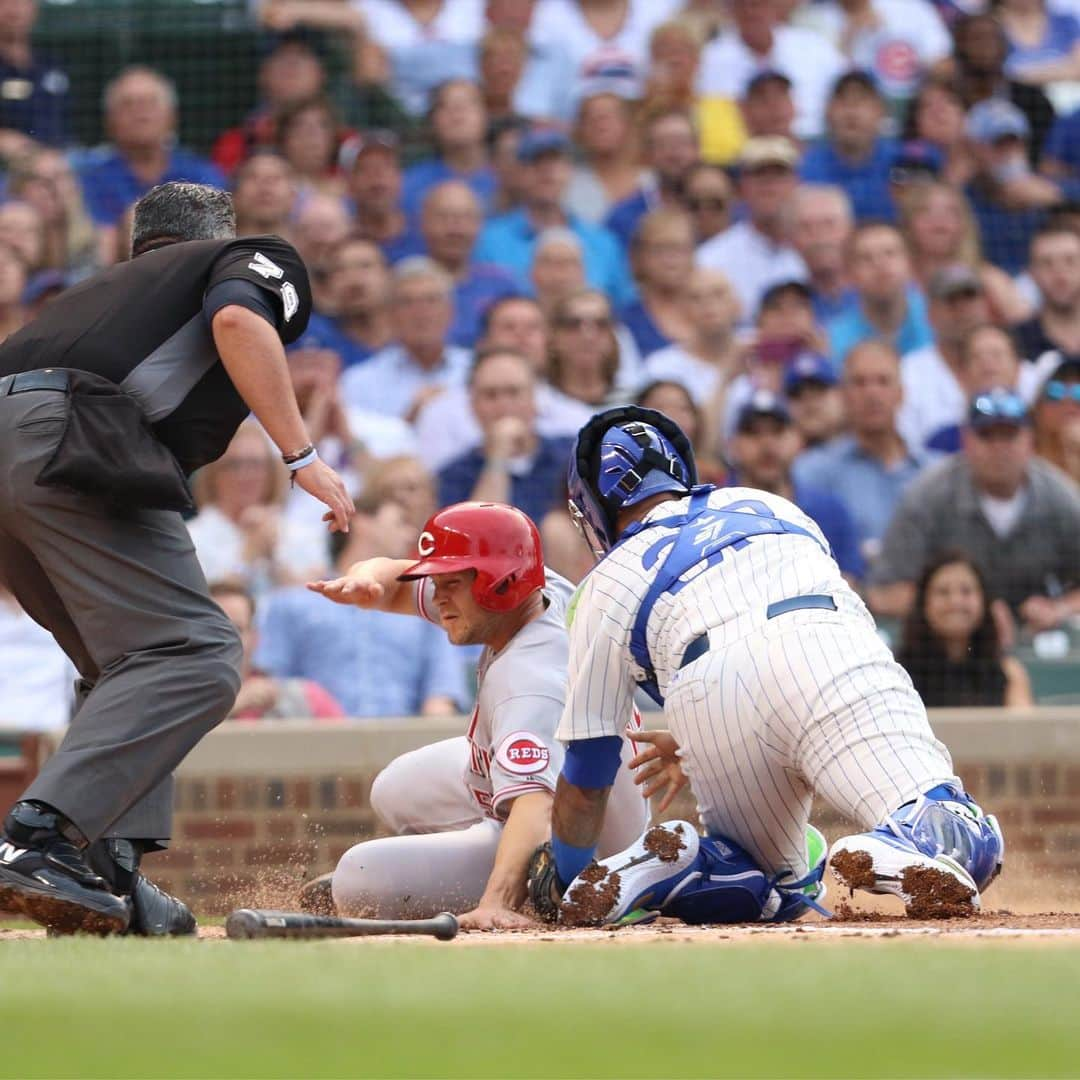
947	821
727	886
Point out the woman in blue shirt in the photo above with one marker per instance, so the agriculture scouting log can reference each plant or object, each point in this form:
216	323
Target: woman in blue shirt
1044	46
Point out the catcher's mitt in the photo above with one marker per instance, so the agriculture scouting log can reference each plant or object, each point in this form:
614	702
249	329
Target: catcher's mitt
545	888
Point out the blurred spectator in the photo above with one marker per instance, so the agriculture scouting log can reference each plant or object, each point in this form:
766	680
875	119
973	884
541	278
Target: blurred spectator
350	439
934	395
12	289
1006	195
855	156
895	41
812	397
239	531
264	697
767	107
141	121
565	549
821	228
936	118
889	305
708	196
45	179
662	256
708	359
372	662
599	34
446	426
940	231
502	141
402	479
584	352
1044	45
290	71
609	170
504	56
1061	152
514	464
509	239
1014	515
759	41
1055	267
558	267
320	226
35	100
670	146
450	224
22	226
950	645
413	46
458	123
264	193
400	378
308	135
763	448
358	292
869	467
1057	418
36	675
756	253
372	163
979	51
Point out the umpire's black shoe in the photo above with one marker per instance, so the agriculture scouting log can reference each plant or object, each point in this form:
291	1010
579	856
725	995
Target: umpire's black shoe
154	913
44	875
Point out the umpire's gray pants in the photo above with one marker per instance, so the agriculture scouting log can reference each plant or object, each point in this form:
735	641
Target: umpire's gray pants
126	599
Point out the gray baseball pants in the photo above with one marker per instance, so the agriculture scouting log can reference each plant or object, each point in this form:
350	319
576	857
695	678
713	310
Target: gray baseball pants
124	596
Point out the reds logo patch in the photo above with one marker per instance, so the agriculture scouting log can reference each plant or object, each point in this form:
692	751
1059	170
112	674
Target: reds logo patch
522	754
426	544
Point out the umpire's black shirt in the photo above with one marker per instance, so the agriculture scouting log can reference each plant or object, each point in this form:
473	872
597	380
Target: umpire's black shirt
145	325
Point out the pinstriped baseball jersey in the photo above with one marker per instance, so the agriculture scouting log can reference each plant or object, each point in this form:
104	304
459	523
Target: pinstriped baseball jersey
775	709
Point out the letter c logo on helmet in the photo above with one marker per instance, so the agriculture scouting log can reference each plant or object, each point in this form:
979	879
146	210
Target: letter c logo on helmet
499	542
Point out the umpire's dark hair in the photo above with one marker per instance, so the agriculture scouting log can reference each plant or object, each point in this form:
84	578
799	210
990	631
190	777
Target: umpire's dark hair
178	211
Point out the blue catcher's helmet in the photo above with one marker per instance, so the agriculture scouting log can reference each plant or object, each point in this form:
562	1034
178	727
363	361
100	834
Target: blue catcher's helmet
622	457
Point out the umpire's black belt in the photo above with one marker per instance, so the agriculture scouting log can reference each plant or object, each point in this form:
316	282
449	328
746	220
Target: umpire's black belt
45	379
700	645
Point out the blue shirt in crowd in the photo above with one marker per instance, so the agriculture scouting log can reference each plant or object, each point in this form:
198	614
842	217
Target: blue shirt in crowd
867	183
646	334
420	178
110	186
851	327
835	522
373	662
625	216
1059	40
34	100
509	241
826	308
1063	142
534	491
1005	235
473	295
868	489
324	332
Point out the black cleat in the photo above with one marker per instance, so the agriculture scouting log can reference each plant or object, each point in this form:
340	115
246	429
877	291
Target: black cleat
154	913
44	875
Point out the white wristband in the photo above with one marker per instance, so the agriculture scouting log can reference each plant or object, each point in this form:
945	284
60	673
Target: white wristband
311	456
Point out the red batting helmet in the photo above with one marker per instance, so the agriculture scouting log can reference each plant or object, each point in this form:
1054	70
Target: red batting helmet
499	542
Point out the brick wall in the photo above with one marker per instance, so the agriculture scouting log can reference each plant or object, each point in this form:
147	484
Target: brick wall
262	809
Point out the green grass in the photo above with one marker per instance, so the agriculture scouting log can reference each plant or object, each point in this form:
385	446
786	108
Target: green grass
892	1008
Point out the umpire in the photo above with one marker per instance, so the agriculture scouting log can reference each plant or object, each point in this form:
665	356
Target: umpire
108	401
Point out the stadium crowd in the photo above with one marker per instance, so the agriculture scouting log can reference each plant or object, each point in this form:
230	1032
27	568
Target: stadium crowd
838	242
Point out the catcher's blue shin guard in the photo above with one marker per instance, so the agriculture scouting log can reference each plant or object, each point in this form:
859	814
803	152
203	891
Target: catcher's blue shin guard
673	871
937	853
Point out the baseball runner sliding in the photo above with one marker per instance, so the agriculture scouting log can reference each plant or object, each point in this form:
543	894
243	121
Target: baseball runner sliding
470	811
727	607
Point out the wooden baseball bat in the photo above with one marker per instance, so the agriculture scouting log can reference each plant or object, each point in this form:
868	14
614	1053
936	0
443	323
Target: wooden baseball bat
251	923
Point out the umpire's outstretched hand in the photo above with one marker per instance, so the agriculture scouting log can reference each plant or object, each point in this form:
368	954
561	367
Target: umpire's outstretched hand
320	481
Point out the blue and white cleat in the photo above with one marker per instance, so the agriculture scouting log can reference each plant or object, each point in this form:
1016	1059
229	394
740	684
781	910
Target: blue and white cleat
937	854
632	886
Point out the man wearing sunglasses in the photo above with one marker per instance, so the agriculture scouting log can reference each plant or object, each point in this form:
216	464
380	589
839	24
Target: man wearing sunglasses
1017	516
1057	418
